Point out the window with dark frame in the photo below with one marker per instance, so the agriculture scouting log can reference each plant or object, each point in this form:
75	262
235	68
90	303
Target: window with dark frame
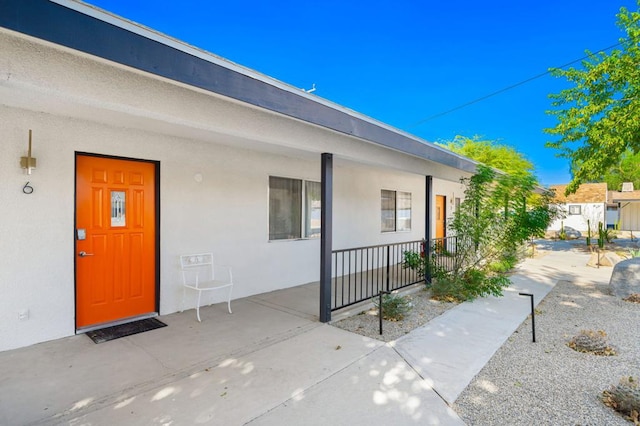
575	209
294	208
388	210
395	211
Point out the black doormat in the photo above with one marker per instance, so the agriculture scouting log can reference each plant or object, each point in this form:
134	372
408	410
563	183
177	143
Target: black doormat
123	330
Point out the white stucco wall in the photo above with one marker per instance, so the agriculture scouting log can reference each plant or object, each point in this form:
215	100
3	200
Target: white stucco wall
594	212
77	104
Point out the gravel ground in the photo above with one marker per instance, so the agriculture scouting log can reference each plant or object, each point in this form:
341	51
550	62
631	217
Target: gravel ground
547	382
423	310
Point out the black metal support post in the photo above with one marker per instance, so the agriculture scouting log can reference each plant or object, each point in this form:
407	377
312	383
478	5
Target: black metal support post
533	315
428	207
387	268
380	308
326	235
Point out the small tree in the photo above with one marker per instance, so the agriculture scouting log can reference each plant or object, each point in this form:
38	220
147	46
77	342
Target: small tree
493	154
498	215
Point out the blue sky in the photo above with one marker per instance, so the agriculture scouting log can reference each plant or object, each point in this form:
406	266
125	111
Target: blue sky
404	62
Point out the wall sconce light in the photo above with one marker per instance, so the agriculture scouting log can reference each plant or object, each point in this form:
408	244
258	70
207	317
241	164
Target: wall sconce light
28	162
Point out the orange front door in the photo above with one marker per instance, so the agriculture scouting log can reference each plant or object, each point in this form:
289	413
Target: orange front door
115	239
441	213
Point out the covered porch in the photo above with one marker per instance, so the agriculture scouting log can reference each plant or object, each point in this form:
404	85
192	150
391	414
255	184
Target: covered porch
229	369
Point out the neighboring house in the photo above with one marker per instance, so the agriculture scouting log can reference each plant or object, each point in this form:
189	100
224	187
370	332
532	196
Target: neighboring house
627	204
588	205
148	148
592	201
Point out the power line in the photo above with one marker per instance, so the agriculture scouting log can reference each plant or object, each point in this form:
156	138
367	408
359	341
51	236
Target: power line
513	86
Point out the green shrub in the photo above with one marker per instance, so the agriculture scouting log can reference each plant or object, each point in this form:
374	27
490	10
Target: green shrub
394	306
415	261
504	265
471	284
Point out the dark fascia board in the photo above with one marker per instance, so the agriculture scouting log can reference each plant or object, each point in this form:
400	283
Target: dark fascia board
65	26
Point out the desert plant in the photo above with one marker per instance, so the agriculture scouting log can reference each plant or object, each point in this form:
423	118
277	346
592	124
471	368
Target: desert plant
609	234
562	234
588	233
394	306
601	236
590	341
633	298
624	398
605	235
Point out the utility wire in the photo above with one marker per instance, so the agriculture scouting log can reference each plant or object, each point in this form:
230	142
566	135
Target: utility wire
513	86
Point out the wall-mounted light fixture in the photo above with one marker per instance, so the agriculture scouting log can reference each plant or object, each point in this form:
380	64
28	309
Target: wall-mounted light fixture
28	163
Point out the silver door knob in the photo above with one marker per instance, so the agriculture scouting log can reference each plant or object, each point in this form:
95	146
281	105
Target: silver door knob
84	253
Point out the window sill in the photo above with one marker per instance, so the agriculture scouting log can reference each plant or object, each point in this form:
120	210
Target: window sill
289	240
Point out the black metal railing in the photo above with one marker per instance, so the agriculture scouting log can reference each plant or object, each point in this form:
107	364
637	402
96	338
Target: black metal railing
358	274
444	252
361	273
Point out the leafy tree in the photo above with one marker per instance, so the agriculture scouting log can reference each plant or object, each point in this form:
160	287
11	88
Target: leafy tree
627	170
500	157
599	116
492	154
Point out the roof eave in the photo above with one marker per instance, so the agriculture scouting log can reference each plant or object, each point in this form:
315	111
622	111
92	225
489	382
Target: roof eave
85	28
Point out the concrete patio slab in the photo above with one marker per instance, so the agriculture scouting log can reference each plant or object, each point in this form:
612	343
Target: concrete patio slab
302	300
239	389
67	375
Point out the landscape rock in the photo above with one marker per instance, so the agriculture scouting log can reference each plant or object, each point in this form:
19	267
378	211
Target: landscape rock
571	233
625	278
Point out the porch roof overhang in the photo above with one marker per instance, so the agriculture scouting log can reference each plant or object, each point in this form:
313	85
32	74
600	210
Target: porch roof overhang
625	197
84	28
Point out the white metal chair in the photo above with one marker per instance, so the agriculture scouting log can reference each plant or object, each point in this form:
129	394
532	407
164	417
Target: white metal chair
200	274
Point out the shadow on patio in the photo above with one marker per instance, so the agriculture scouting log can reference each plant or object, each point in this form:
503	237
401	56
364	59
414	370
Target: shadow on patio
64	377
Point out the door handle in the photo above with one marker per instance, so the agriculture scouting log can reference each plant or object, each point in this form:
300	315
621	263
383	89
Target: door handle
84	253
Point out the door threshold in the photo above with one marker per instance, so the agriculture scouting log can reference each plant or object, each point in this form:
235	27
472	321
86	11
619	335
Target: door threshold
88	328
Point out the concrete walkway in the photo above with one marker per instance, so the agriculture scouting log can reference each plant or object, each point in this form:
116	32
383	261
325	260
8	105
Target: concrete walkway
451	349
271	362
